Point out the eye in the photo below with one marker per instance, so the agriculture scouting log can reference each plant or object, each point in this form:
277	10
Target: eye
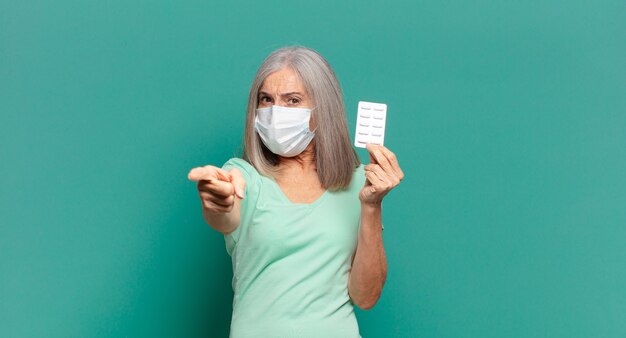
265	99
293	101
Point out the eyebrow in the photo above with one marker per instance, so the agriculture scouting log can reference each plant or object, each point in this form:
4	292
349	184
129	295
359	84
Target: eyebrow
283	94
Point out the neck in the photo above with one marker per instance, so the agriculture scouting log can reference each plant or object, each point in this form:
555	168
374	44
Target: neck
304	161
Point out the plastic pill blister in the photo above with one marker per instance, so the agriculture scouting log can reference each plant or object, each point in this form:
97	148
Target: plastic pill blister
370	124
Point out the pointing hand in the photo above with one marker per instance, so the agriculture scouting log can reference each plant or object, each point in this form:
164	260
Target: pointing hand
218	187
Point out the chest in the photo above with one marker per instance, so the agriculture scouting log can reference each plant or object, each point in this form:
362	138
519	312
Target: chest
301	190
279	228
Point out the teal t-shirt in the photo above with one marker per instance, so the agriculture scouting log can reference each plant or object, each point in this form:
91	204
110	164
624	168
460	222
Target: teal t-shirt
291	261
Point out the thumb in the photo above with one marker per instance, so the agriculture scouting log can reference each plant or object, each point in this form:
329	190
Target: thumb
238	182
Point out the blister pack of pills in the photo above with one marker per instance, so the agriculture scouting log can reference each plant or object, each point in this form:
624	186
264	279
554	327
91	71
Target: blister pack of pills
370	124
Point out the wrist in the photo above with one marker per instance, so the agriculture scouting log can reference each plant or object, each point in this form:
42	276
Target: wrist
371	218
371	207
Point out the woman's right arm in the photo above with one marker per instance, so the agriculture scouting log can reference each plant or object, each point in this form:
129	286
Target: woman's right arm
220	192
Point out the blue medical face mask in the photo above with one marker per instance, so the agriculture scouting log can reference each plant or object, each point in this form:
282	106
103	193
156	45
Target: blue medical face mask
284	130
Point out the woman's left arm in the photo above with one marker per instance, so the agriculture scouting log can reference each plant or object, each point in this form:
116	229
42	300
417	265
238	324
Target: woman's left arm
369	267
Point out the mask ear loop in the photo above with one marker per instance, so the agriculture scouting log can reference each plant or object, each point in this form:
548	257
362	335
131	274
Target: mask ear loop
312	131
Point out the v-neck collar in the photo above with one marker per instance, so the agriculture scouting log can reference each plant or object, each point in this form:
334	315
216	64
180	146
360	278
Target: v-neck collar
289	202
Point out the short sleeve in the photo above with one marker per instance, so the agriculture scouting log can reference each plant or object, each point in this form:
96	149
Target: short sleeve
246	169
251	176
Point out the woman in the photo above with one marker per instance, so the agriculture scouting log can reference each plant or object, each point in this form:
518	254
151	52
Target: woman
300	215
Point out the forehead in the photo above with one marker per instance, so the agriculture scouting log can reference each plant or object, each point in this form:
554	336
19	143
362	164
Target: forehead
283	80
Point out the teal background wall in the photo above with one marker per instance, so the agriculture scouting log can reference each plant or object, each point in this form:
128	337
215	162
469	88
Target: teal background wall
508	117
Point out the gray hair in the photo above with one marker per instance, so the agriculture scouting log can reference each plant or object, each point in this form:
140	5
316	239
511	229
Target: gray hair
334	156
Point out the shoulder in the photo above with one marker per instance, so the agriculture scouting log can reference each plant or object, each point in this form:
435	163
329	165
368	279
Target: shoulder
239	162
249	173
246	168
360	169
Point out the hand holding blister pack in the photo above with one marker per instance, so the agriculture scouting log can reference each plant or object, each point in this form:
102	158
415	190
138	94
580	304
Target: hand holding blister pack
370	124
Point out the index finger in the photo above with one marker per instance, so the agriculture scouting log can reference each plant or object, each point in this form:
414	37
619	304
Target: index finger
207	173
393	160
386	159
378	157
